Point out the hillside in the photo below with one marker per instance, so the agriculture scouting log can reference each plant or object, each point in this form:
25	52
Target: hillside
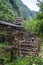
10	9
27	13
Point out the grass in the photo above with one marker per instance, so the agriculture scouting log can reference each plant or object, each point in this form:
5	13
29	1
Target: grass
3	44
20	61
27	61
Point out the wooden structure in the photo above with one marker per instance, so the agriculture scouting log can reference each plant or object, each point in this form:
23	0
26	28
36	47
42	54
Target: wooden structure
28	48
20	42
19	20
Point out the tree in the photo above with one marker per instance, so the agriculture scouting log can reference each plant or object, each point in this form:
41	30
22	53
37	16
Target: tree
9	9
40	5
36	25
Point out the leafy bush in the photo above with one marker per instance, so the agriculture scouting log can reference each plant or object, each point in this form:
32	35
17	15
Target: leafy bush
27	61
7	10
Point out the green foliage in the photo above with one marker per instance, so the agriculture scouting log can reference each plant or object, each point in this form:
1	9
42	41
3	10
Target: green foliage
40	4
36	25
27	61
10	9
39	18
7	12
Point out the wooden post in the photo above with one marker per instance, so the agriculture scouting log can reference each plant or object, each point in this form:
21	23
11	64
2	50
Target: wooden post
19	48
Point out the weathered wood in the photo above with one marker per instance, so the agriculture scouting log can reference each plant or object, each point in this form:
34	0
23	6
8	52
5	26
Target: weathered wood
22	43
26	47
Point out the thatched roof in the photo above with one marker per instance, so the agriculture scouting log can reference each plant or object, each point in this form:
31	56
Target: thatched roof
10	24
